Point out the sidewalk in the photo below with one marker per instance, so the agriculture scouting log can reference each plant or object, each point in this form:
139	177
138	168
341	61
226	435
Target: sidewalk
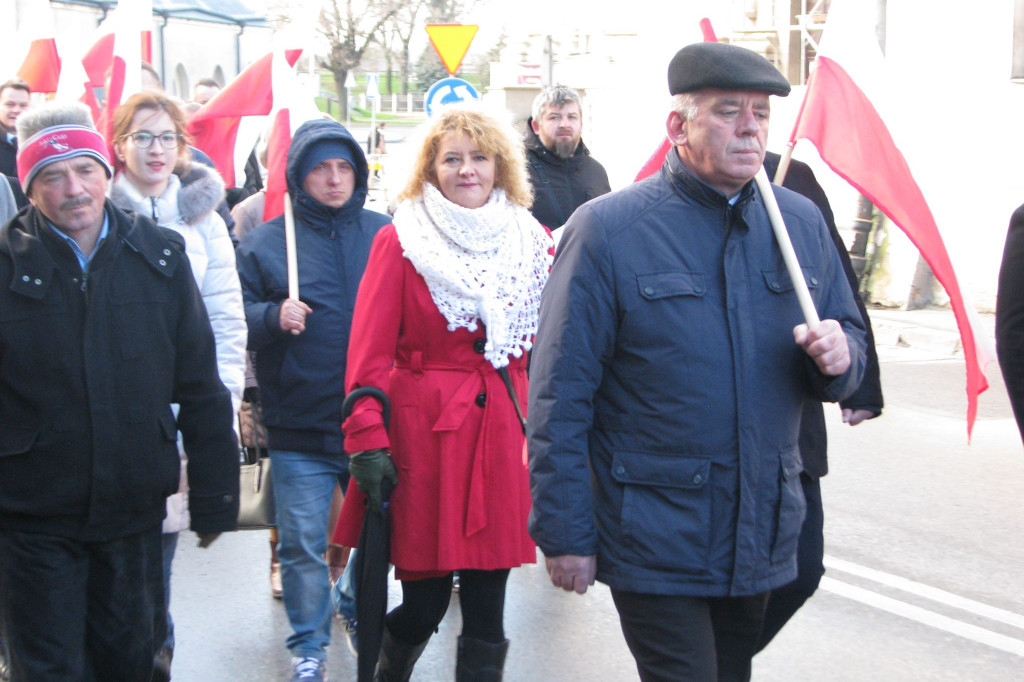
932	329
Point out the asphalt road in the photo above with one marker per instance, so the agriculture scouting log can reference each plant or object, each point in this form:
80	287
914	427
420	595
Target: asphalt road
925	565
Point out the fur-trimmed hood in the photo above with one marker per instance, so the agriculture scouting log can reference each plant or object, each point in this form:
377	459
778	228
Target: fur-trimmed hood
198	192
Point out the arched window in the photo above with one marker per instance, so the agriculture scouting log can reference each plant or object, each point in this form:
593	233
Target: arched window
181	87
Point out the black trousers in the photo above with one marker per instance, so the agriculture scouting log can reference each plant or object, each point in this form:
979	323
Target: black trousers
81	611
690	639
784	601
424	603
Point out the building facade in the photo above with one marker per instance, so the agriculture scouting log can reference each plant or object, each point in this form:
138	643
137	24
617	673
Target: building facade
190	40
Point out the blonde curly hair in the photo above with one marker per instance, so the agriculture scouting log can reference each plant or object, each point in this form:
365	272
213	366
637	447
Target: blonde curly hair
494	138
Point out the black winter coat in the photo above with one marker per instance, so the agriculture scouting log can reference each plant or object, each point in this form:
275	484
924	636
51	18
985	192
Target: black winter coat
1010	315
9	167
89	367
560	186
813	435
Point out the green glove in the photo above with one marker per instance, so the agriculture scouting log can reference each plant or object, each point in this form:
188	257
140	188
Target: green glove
370	468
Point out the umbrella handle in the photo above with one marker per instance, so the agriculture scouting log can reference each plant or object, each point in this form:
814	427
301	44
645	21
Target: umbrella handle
346	409
367	392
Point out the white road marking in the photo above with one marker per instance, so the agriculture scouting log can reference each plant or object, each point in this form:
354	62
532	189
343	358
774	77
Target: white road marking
932	593
926	617
921	615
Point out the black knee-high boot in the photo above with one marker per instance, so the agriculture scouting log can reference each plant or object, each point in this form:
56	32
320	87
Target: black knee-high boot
397	659
480	661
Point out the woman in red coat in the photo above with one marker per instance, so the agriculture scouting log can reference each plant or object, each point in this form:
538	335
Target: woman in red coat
447	305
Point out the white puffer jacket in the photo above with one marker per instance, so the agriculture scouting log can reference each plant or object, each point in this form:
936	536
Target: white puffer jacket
189	210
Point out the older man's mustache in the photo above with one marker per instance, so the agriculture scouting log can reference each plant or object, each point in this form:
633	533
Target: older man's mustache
75	203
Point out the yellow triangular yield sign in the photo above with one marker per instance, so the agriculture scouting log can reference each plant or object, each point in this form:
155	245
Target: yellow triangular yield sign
451	42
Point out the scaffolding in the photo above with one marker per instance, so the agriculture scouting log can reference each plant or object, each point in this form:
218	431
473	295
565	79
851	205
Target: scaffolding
786	32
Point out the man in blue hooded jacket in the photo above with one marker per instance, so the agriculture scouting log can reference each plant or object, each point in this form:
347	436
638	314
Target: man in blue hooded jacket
301	347
668	376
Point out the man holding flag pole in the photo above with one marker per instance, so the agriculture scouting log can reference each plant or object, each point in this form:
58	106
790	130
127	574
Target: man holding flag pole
671	366
300	273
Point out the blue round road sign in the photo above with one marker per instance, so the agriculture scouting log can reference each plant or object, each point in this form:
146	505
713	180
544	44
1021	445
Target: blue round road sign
448	91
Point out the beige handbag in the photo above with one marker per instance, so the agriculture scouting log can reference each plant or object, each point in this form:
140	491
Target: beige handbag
256	491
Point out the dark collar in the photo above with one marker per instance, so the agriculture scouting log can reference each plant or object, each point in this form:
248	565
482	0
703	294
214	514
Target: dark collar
683	180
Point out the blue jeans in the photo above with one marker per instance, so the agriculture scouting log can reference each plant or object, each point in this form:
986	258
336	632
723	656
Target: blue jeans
303	489
343	594
170	544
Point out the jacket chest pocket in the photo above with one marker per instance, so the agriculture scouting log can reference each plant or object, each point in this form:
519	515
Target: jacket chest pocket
779	281
663	309
666	515
659	286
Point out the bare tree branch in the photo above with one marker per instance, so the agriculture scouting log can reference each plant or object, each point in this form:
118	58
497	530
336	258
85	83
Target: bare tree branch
349	26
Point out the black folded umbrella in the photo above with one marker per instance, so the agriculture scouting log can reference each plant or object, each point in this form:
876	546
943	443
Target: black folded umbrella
373	557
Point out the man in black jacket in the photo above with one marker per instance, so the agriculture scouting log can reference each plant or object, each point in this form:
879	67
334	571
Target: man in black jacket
1010	315
14	100
102	328
563	173
865	403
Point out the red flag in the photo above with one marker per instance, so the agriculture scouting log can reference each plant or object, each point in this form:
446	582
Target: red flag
292	108
852	138
41	68
111	62
658	157
215	127
31	51
277	162
99	56
129	21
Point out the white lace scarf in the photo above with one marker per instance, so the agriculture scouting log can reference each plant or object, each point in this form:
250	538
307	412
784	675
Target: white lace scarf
488	264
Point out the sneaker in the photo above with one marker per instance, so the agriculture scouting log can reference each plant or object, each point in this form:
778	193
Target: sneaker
350	627
276	587
308	669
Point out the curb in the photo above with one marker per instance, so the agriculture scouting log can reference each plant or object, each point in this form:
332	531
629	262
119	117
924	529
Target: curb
930	329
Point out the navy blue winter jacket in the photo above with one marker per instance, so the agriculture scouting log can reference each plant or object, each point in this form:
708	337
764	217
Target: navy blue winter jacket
302	377
666	387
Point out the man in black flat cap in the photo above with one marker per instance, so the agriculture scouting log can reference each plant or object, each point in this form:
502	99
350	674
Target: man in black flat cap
670	369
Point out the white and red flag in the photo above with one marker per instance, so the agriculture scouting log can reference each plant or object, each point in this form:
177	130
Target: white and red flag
111	63
130	22
293	106
842	114
31	51
227	126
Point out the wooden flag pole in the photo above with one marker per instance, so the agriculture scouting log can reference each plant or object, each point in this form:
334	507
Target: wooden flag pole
290	253
780	172
796	274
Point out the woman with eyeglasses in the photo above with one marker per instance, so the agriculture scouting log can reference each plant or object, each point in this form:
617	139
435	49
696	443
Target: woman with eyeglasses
151	157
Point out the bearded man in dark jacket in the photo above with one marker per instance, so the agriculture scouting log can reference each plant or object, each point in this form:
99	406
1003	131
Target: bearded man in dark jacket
301	347
563	173
102	328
